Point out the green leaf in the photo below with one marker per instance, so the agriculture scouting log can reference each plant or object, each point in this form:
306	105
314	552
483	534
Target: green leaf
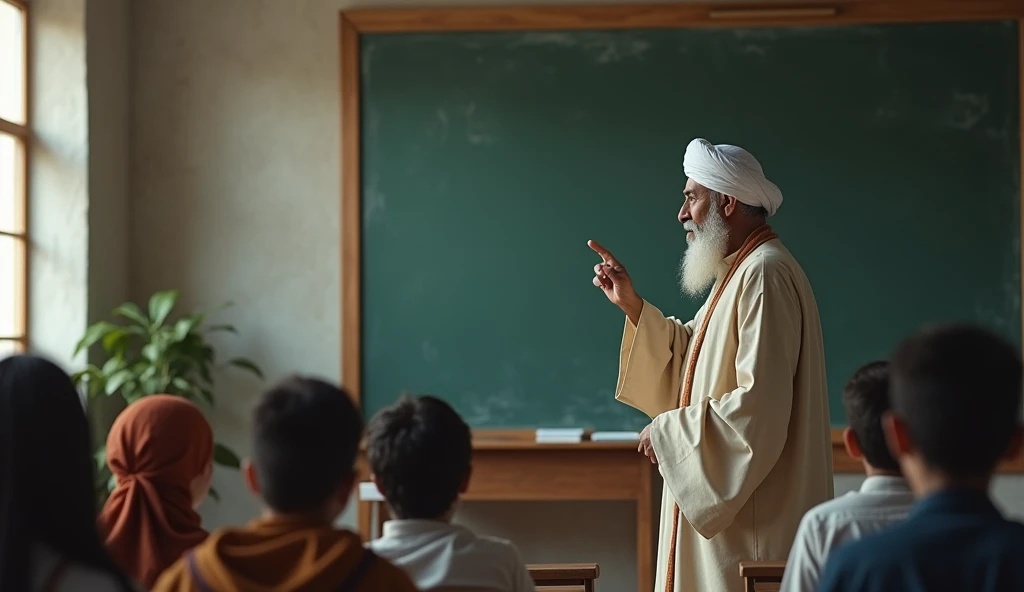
181	386
111	366
101	483
94	334
160	305
116	342
148	372
183	327
224	328
100	457
88	375
152	386
111	483
133	395
203	394
118	380
152	352
213	494
81	377
191	348
93	380
246	364
224	456
132	312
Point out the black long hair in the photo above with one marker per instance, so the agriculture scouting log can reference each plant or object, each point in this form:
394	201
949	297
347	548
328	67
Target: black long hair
47	493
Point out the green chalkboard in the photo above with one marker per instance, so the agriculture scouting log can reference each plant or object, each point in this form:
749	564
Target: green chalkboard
489	159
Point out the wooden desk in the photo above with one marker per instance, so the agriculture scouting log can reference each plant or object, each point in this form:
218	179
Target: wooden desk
762	576
564	577
510	466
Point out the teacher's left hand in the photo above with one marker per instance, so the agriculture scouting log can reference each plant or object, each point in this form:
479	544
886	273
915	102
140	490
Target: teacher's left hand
645	444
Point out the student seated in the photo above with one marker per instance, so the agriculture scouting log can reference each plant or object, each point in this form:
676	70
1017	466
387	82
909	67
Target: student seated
149	520
419	452
884	497
955	394
305	438
48	536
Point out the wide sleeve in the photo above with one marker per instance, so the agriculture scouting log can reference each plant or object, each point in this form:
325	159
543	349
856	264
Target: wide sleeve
651	361
714	453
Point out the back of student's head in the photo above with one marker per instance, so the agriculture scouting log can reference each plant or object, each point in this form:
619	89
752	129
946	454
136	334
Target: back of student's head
306	435
958	390
47	482
866	399
419	451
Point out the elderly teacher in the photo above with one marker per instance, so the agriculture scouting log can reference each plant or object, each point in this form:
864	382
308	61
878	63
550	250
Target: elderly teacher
737	395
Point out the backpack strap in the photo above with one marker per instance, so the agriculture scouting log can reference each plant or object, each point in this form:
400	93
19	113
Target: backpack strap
359	573
193	571
55	576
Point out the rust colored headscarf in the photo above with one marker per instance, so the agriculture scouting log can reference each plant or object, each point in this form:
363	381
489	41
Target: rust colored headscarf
157	446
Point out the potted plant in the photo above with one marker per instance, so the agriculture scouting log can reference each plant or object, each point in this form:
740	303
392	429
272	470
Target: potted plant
148	353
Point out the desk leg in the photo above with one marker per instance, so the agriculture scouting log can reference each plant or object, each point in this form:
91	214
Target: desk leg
644	536
365	512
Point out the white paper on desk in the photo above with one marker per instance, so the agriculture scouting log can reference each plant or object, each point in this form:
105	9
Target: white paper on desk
615	437
560	433
559	439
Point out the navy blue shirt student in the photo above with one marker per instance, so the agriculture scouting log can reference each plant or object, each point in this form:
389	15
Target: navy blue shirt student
955	399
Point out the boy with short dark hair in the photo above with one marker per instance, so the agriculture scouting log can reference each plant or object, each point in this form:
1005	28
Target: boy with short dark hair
419	451
306	435
883	499
956	394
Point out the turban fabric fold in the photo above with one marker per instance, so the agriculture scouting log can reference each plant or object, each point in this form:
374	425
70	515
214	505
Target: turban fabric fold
733	171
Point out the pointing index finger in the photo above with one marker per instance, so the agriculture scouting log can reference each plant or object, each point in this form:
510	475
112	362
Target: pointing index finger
603	252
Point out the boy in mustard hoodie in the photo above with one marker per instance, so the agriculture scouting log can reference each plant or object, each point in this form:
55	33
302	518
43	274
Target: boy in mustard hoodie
306	436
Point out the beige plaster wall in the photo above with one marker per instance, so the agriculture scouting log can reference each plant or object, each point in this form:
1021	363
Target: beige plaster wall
58	188
108	63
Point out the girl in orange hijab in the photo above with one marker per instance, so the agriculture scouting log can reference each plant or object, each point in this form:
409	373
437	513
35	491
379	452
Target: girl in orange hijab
160	449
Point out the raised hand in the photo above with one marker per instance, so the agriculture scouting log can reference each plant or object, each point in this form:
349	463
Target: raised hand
613	279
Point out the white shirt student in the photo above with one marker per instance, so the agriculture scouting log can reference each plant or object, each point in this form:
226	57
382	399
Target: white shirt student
437	554
883	499
881	502
419	452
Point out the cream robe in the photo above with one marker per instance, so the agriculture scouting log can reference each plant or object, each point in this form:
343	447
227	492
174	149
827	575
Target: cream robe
753	451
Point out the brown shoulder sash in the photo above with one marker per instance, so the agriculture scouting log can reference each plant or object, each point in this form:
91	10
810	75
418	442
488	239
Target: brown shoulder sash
754	240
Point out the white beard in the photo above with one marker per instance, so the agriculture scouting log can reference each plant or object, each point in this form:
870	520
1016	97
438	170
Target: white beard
705	254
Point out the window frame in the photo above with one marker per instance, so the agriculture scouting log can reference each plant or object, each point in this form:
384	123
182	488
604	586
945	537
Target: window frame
21	132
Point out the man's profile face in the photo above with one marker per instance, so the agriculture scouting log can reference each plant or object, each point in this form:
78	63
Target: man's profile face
696	206
707	239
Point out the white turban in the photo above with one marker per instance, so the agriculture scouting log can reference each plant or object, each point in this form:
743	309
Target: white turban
733	171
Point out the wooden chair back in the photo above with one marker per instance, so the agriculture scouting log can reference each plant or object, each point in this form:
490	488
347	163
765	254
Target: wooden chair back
461	589
762	576
564	577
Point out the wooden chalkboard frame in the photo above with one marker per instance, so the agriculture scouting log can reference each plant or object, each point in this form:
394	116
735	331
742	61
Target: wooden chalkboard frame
353	23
